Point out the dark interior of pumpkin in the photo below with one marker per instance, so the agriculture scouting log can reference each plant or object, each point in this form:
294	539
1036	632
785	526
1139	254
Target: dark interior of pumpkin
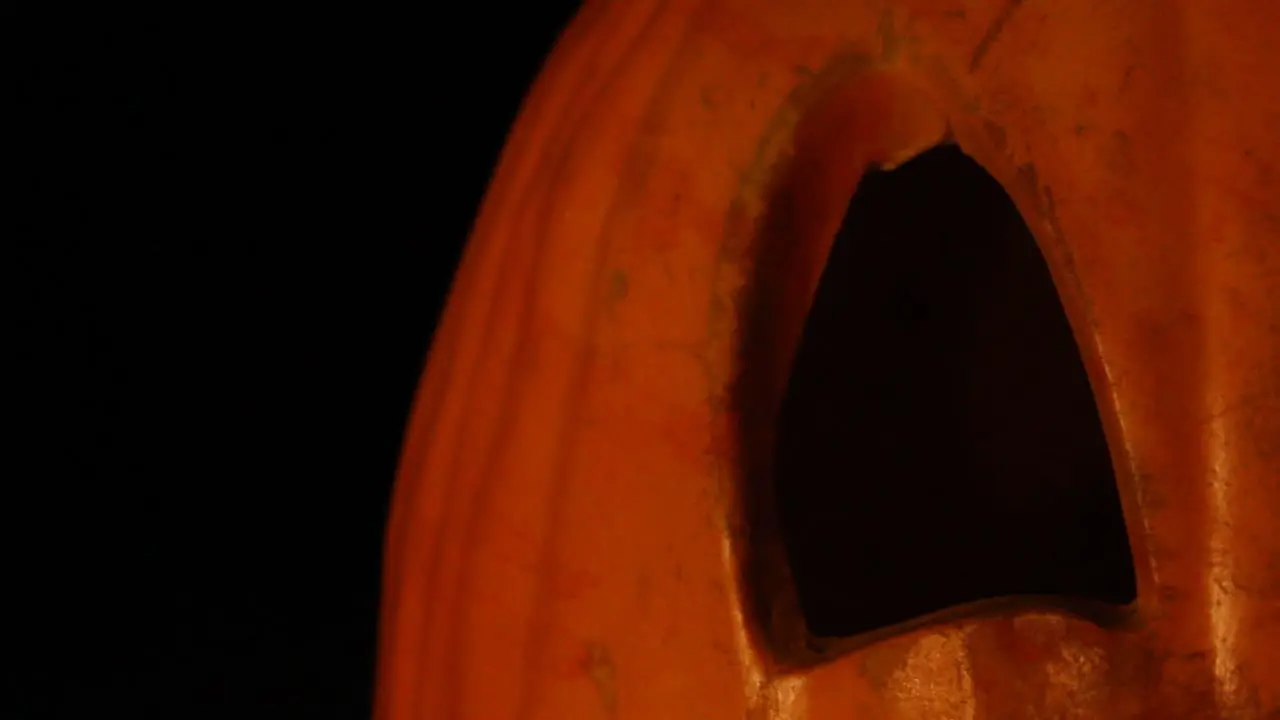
939	442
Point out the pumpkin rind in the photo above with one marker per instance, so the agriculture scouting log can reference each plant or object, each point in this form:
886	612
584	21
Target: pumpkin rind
568	534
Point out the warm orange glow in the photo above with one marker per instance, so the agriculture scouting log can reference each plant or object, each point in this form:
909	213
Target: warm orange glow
567	533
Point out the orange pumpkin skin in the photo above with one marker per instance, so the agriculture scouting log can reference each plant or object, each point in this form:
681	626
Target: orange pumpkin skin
568	533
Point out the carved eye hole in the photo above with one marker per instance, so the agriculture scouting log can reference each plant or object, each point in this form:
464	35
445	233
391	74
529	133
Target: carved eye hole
938	442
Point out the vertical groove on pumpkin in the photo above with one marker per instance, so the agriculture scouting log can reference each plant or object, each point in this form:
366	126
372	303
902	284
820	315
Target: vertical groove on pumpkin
661	31
1159	330
543	413
487	258
1237	281
471	297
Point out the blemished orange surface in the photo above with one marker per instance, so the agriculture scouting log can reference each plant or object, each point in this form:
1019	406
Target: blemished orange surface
567	534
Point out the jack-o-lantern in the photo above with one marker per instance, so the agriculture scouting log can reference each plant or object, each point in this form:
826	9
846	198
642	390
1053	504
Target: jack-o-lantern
576	532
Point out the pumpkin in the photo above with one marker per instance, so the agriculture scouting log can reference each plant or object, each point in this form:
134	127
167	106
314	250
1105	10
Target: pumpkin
571	533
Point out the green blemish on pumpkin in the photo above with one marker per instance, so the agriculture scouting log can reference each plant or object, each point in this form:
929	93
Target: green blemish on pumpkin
598	665
619	287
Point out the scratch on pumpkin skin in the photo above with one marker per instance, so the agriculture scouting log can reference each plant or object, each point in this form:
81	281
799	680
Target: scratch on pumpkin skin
993	33
598	665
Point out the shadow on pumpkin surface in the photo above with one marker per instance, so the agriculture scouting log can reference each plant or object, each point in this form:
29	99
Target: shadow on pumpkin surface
938	442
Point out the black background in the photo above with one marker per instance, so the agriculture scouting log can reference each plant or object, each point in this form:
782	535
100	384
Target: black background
233	236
